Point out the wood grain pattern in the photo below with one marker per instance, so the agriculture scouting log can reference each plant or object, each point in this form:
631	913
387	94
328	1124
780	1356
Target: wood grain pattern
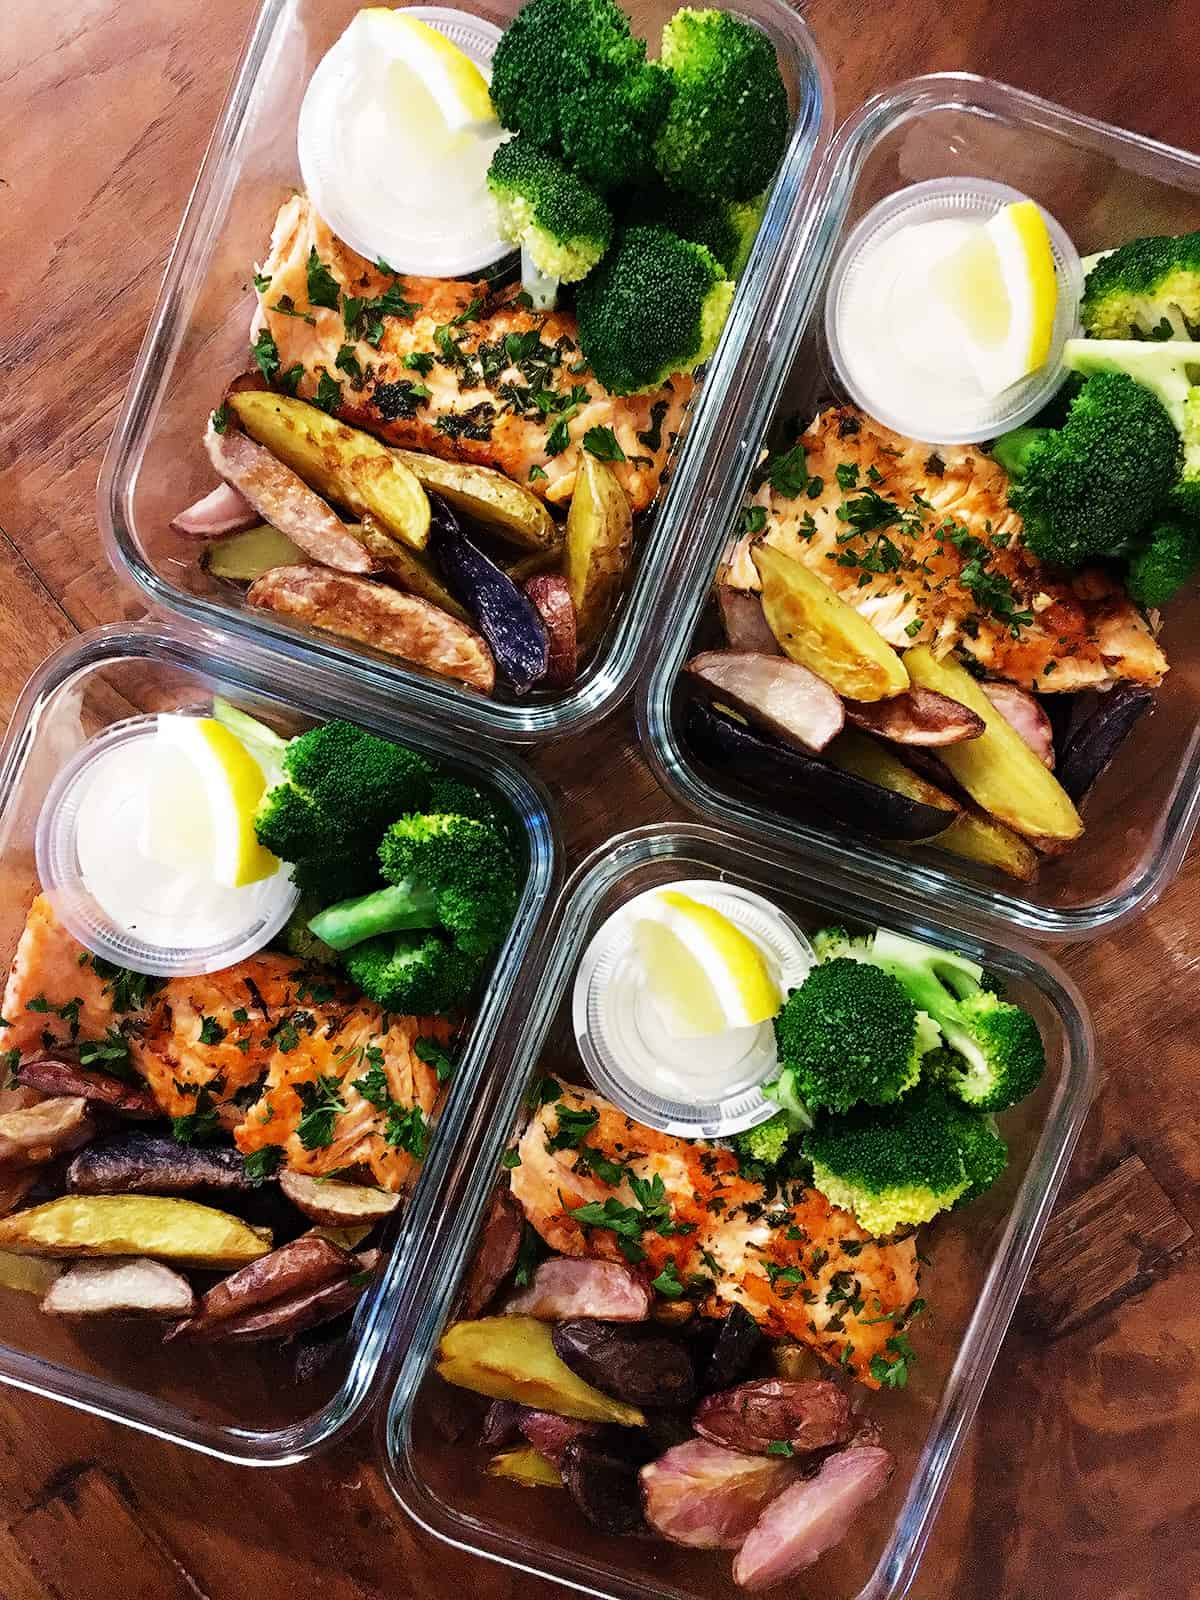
1080	1478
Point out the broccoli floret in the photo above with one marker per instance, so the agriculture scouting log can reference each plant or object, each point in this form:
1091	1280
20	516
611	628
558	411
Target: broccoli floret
1166	563
892	1166
340	875
562	226
412	974
726	127
1148	289
984	1153
829	943
998	1053
849	1035
654	307
570	76
1168	371
469	867
1091	487
727	229
339	789
767	1142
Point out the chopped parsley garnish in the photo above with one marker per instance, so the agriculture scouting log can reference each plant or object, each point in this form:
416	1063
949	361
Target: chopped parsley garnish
374	1087
199	1124
913	628
329	393
241	1014
399	400
530	1251
753	519
323	287
558	438
602	443
573	1127
541	1091
816	488
322	1101
847	475
262	282
474	423
264	1163
510	1159
382	266
780	1447
408	1130
993	592
786	473
894	1374
287	307
346	361
595	1161
289	381
419	361
220	418
266	354
652	438
536	472
470	313
39	1003
211	1031
624	1221
431	1053
11	1060
667	1283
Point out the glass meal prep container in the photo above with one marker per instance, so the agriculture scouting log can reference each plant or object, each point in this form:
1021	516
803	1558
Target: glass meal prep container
198	338
978	1258
242	1404
1104	185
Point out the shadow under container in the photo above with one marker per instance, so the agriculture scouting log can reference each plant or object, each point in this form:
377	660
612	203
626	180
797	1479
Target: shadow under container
1105	186
242	1404
198	341
978	1258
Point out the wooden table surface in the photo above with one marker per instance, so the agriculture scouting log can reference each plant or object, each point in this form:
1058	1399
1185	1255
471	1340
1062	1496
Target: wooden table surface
1081	1476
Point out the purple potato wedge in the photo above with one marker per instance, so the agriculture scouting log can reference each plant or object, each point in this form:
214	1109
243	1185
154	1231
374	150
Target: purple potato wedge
505	615
797	784
1097	730
780	696
631	1362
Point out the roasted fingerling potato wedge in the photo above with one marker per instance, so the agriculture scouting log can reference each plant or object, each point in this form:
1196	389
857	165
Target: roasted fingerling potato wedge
513	1358
528	1466
343	464
998	770
816	627
409	568
242	557
599	545
486	496
134	1225
980	838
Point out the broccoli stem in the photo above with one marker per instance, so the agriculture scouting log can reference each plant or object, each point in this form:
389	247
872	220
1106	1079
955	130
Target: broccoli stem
539	286
1011	450
390	910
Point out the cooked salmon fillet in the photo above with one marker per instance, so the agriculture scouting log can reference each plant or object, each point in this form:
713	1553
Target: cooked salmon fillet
241	1042
924	545
802	1268
499	376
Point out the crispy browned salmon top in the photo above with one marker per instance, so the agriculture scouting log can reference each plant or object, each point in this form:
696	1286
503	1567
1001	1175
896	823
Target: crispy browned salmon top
802	1268
272	1047
923	544
451	369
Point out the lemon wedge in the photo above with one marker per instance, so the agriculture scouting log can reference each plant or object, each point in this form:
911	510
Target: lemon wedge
705	975
455	83
201	803
1000	284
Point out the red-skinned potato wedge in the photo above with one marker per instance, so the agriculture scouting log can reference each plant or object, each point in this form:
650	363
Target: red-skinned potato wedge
296	1268
780	696
398	624
565	1287
52	1076
1022	712
221	511
336	1204
496	1253
551	598
283	1319
918	716
744	621
122	1288
48	1129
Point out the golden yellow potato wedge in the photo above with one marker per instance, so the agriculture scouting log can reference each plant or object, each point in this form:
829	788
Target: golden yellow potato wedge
513	1358
341	463
29	1274
981	838
134	1225
408	568
863	756
599	544
998	770
527	1466
816	627
488	497
245	556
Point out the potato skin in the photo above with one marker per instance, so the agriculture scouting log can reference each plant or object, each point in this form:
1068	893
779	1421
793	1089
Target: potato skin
304	1264
337	1205
599	545
398	624
281	1319
552	599
635	1363
808	1415
496	1252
